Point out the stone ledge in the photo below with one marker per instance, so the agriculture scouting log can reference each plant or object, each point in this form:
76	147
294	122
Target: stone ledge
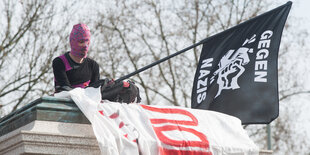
265	152
45	109
33	138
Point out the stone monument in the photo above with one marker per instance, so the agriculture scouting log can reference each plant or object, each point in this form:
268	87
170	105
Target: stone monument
47	125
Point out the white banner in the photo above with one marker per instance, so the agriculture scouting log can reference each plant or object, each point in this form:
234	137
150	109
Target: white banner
158	130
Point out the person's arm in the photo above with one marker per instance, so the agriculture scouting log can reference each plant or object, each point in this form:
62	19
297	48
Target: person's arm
60	76
95	73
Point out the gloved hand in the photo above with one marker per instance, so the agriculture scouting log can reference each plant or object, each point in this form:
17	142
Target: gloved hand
62	88
102	82
123	92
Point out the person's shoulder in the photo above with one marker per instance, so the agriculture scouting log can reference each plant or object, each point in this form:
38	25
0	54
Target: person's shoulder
58	64
57	61
92	61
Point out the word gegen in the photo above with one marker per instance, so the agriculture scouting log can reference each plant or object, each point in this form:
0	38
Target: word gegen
261	57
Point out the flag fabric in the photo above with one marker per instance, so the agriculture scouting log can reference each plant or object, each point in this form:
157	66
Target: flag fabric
160	130
237	71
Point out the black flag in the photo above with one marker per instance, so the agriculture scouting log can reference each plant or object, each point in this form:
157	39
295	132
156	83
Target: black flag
237	71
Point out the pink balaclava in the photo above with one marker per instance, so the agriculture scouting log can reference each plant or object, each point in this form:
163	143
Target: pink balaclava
79	34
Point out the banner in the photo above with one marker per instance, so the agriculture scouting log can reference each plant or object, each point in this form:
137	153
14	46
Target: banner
131	129
237	72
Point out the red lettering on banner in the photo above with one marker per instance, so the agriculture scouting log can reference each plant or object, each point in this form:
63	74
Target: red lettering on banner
101	112
203	143
193	122
114	115
121	124
164	151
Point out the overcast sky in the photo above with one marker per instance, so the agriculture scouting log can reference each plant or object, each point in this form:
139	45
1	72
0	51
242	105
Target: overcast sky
301	10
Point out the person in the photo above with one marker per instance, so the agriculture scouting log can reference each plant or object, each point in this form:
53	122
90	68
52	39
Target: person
73	68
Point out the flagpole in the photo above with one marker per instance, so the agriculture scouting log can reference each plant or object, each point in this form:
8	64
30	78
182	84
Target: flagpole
160	61
268	137
186	49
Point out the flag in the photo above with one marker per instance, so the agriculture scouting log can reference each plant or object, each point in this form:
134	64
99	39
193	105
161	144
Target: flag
237	71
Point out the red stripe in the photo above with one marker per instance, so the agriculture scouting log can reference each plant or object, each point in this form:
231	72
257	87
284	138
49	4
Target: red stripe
65	61
101	112
203	143
113	116
193	122
164	151
121	124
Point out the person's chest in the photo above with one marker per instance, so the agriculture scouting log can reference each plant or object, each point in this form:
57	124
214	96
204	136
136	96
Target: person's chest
80	73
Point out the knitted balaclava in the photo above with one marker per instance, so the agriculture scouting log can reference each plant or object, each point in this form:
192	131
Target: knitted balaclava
79	34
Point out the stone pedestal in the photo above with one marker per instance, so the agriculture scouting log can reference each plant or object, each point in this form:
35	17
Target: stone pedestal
44	137
47	125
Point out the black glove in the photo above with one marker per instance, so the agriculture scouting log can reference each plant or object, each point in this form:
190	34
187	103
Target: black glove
62	88
102	82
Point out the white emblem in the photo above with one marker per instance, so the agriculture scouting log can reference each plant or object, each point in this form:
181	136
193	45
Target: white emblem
231	67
